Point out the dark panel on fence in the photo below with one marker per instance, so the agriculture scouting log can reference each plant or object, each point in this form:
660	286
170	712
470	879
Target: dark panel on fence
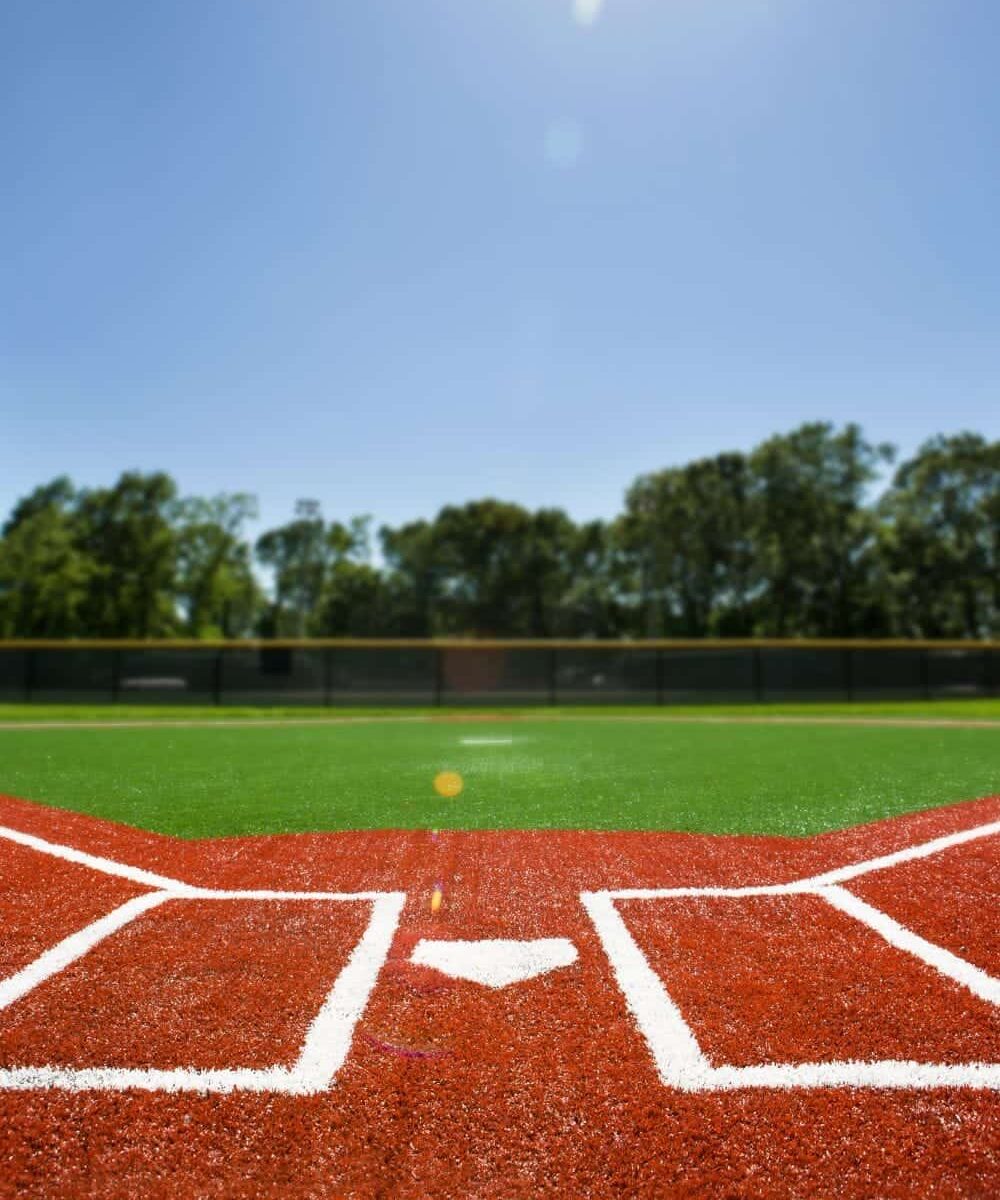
890	674
73	675
611	676
161	676
13	677
807	674
273	675
957	673
708	676
394	675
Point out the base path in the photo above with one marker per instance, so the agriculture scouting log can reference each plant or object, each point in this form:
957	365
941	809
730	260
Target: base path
500	1014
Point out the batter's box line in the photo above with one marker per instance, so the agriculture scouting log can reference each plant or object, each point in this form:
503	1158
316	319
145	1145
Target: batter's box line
680	1061
327	1041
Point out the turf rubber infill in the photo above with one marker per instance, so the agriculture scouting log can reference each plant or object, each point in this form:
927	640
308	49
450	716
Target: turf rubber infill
549	1085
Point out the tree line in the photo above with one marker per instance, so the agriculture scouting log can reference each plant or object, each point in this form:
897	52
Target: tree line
788	540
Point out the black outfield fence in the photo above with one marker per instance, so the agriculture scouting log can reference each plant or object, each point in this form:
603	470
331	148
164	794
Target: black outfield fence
477	672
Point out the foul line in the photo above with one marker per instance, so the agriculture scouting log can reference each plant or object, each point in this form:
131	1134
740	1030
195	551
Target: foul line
107	866
815	883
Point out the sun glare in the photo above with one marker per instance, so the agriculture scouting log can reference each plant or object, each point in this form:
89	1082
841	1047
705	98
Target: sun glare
586	12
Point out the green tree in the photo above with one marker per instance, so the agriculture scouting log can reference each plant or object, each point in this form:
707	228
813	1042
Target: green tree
297	553
486	553
126	531
302	555
940	539
59	496
593	602
354	602
215	585
45	577
814	541
414	580
687	531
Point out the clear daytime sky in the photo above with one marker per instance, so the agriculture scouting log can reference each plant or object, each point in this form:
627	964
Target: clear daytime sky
391	254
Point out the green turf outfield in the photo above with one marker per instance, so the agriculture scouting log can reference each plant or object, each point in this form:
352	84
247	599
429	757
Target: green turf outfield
970	709
581	771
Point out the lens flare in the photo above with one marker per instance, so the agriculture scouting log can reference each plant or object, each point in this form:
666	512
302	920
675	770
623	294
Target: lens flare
448	784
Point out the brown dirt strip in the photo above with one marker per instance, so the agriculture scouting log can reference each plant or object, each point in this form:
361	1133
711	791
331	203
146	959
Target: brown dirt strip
542	1088
463	719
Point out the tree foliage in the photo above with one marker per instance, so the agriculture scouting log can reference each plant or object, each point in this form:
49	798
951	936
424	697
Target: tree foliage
787	540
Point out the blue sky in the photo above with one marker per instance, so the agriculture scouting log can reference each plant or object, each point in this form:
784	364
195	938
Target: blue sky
400	253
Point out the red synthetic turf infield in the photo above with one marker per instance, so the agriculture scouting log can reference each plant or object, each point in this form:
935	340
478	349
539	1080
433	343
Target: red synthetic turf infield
543	1087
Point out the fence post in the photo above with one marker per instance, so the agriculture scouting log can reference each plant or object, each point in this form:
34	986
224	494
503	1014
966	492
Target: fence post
659	675
116	674
438	675
925	672
849	672
552	675
29	675
217	678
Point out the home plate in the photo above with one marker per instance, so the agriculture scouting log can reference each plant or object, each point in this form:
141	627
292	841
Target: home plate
495	962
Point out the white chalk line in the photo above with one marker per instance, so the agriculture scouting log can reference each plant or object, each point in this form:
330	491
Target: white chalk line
964	973
675	1049
329	1038
327	1041
75	946
107	866
813	883
487	741
679	1059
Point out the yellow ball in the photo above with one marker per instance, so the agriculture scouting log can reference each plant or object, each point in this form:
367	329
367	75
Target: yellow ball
448	784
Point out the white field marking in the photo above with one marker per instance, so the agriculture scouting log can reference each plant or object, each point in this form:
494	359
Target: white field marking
495	962
127	1079
815	883
324	1049
329	1037
487	741
75	946
676	1053
887	1073
681	1064
977	981
163	883
675	1049
327	1041
922	850
106	866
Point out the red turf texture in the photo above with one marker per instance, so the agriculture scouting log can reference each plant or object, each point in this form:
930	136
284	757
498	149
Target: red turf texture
542	1088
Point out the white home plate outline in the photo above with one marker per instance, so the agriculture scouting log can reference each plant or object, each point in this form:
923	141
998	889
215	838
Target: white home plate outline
679	1059
327	1041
